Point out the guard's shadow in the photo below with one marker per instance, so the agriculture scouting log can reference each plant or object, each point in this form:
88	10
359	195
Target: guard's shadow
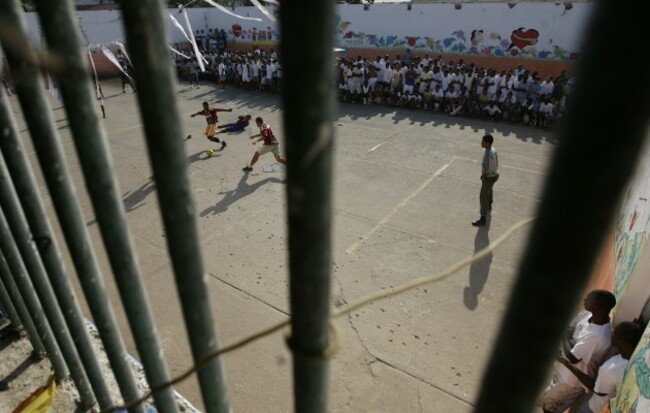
243	189
479	270
135	199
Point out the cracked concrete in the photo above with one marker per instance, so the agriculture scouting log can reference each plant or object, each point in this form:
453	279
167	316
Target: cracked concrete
421	351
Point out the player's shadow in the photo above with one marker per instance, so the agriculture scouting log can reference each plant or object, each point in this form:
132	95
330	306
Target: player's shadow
135	199
243	189
479	270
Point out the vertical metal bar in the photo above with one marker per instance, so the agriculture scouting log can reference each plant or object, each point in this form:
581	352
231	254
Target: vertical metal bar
71	219
599	145
21	308
146	32
94	155
8	306
17	269
50	275
26	243
308	115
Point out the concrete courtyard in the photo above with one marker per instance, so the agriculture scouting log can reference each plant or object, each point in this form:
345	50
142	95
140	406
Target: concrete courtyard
406	187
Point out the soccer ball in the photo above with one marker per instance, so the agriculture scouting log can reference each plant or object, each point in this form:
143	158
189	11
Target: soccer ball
210	153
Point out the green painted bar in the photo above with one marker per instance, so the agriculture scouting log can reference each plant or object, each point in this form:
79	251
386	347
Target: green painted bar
599	145
63	195
21	308
27	245
308	101
9	308
94	155
146	33
17	269
57	295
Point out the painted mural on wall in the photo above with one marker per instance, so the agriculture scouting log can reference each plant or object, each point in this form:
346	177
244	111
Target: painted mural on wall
631	237
526	30
519	43
263	35
634	391
533	30
632	230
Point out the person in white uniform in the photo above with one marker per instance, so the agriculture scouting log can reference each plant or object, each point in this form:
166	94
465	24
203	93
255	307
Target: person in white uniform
584	348
625	339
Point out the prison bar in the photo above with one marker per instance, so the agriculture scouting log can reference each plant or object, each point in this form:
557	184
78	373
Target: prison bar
43	261
8	306
308	120
94	156
598	147
147	37
17	269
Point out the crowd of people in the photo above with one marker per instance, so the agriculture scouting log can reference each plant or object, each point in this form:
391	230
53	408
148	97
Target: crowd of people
252	70
516	96
456	88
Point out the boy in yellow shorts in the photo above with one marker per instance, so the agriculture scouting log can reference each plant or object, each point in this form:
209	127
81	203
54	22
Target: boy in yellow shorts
212	121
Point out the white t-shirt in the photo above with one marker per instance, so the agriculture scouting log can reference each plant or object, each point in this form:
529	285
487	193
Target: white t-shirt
387	74
469	80
546	108
609	375
436	79
347	72
425	79
492	109
446	81
492	83
547	88
591	344
451	94
438	94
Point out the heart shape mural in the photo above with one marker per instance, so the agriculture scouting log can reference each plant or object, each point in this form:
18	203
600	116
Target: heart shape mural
522	38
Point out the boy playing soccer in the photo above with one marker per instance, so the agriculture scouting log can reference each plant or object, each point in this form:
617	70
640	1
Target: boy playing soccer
271	144
240	125
212	119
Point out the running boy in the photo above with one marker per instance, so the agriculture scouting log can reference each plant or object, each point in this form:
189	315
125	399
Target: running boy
271	144
212	120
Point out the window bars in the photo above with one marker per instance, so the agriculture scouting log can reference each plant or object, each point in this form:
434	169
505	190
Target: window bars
596	155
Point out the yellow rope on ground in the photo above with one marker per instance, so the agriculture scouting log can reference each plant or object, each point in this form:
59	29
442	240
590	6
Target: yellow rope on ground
346	309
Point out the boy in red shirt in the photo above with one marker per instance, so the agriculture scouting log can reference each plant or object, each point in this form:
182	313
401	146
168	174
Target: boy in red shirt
212	120
271	144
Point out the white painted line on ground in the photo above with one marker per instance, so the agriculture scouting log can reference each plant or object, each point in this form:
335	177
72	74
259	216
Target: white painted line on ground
115	132
386	140
375	147
355	246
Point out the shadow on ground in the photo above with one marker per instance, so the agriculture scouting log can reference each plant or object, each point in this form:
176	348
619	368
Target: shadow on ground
479	270
243	189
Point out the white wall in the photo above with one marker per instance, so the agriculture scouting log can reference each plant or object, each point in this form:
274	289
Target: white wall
104	26
434	28
440	28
